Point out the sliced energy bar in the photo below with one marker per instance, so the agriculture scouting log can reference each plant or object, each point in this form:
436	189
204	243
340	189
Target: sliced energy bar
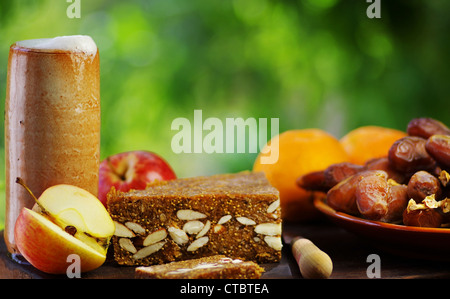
213	267
236	215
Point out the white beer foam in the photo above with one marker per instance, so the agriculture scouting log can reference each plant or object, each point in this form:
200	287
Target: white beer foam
73	43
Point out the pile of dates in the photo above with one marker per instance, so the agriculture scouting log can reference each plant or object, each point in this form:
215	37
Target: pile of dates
411	185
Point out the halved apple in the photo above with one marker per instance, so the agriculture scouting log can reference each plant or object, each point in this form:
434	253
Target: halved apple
68	220
46	245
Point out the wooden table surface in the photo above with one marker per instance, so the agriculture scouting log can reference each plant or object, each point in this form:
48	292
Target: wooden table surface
348	252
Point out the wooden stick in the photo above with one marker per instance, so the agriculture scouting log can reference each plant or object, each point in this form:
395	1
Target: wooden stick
313	262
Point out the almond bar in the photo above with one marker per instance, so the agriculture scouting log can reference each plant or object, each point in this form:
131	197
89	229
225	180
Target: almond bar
236	215
213	267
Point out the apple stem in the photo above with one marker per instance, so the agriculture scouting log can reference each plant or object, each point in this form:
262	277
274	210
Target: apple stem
43	210
22	183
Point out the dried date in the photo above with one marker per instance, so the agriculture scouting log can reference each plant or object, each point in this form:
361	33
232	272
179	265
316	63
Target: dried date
338	172
408	155
326	179
423	184
313	181
426	127
370	194
421	215
379	198
384	164
438	146
342	196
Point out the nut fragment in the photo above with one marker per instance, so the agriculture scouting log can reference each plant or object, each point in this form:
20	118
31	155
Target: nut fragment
219	228
428	203
146	251
190	215
156	236
273	242
193	227
137	228
445	205
163	217
126	244
431	202
204	230
122	231
224	219
444	177
268	229
178	235
273	206
245	221
198	243
273	215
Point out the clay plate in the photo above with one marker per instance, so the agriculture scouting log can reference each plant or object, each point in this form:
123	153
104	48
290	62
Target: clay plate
407	241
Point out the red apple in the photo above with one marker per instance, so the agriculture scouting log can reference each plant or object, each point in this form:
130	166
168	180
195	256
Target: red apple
131	170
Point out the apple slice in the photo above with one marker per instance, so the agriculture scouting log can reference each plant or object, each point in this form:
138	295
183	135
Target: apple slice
46	246
68	220
73	206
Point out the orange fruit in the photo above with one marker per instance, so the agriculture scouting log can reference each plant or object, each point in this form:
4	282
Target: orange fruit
369	142
299	152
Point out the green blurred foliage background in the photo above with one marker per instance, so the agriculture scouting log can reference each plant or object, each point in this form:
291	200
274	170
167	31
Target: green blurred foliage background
311	63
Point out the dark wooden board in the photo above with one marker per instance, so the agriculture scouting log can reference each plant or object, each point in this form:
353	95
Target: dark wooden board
348	252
